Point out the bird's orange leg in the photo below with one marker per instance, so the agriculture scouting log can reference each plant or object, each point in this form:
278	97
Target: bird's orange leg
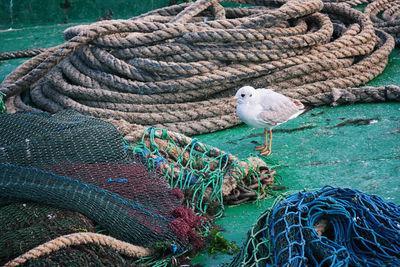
262	148
267	151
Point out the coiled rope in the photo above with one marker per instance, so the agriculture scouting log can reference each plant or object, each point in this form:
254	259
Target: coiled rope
349	2
78	239
176	67
390	19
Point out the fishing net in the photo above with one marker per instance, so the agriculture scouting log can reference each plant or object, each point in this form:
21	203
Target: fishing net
59	237
82	164
3	107
27	225
79	163
208	177
329	227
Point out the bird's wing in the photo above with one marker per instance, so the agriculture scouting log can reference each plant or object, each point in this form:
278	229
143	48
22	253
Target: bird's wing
277	108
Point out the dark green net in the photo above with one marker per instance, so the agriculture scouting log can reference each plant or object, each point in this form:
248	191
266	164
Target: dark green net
26	225
79	163
3	107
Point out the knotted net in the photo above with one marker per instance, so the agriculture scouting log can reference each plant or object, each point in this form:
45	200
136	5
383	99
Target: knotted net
329	227
79	163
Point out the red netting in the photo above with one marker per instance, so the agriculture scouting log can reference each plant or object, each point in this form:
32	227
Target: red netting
79	163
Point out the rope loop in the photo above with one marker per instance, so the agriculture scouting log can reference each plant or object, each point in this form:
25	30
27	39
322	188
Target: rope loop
176	67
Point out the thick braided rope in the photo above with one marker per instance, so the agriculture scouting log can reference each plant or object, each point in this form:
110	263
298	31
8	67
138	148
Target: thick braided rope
349	2
367	94
79	239
21	53
176	67
390	19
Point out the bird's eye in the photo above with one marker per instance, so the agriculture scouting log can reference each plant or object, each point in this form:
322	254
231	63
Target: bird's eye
242	95
251	95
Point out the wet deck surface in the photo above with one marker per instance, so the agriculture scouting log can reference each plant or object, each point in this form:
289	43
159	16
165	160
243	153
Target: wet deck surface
355	146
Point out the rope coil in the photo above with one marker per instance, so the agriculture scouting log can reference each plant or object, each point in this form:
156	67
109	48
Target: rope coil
390	19
176	67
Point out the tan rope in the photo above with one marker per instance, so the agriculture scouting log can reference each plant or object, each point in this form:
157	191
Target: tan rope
367	94
79	239
390	19
21	53
176	67
349	2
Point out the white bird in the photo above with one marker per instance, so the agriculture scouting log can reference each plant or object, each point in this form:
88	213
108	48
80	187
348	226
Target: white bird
264	108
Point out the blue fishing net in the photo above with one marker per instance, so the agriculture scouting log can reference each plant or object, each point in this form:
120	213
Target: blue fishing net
329	227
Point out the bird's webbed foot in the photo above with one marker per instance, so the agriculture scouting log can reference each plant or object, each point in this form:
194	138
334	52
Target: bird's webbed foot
261	148
266	152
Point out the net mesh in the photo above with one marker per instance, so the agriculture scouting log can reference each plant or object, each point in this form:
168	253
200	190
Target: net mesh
3	107
329	227
208	177
27	225
80	163
191	168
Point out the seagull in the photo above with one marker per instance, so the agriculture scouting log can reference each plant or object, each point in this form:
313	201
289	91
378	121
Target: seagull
264	108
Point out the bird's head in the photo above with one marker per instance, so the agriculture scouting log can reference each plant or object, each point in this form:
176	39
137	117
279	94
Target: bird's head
246	94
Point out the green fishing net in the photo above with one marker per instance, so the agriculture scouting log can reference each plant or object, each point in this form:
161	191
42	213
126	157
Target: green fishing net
208	177
80	163
3	107
25	225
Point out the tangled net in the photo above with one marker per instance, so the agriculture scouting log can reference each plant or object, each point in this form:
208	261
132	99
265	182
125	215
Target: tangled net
79	163
27	225
175	67
82	163
329	227
208	176
3	107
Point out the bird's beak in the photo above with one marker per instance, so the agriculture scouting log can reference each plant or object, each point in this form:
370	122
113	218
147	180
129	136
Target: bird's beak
233	99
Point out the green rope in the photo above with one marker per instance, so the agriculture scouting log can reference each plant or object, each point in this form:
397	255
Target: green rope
3	107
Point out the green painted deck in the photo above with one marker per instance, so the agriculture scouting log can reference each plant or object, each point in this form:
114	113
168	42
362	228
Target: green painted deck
355	146
19	13
331	151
